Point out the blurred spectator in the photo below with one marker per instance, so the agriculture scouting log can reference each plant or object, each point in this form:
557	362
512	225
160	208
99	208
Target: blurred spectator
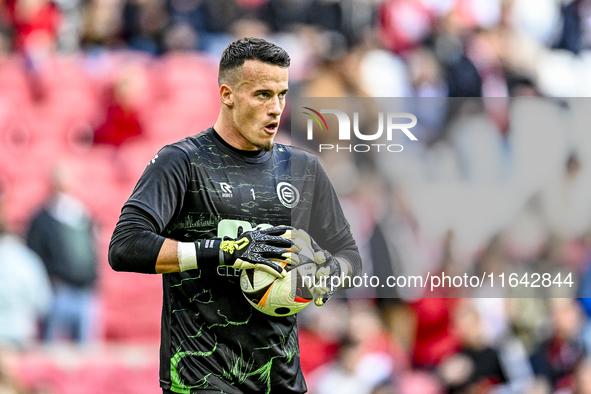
319	336
565	200
320	332
384	75
434	340
477	366
418	381
426	73
103	23
188	12
404	24
25	291
367	358
339	376
143	25
463	79
62	234
71	27
250	27
180	37
337	72
576	26
36	23
480	51
366	327
283	15
121	120
558	357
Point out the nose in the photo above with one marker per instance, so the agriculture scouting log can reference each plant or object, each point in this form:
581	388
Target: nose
275	106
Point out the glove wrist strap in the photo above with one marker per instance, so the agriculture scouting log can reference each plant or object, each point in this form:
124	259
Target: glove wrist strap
209	252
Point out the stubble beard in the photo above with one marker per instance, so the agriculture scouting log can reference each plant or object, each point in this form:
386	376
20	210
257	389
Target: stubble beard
265	146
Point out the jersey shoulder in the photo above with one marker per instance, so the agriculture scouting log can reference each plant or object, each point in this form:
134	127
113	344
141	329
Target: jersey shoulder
298	154
194	143
190	148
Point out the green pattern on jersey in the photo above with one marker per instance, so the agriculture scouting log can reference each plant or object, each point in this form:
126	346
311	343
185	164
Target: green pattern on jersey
177	385
289	348
241	368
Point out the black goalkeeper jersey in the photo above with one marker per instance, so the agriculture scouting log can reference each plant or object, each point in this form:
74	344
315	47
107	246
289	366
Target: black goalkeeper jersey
200	187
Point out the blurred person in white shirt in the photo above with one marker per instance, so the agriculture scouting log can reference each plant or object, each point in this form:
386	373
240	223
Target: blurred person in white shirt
25	291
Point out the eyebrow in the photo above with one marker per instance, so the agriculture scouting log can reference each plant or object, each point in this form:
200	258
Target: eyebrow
269	90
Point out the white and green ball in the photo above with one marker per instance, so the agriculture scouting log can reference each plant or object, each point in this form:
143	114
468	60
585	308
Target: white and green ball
281	296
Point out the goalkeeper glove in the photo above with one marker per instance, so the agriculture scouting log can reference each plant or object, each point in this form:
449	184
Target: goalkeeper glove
329	266
251	249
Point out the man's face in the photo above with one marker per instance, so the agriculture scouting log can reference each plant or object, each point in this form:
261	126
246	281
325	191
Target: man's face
259	98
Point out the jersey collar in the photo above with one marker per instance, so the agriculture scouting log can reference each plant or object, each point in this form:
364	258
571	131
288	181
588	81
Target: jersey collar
248	156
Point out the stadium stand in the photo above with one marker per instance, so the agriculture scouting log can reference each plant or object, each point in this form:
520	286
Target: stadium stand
53	97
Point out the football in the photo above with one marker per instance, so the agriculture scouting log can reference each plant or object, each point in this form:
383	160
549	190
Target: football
281	296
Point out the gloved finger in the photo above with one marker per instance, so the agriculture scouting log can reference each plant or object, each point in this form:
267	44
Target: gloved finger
320	257
299	244
302	258
320	301
276	229
272	270
269	267
323	272
278	255
304	236
274	252
280	231
274	240
291	258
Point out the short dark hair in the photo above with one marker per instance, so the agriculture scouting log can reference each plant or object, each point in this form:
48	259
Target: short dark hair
251	48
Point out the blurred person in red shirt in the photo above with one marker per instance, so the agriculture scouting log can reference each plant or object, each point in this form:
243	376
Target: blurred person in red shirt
434	340
121	121
36	23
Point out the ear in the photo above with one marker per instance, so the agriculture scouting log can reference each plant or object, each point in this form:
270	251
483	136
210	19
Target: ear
227	95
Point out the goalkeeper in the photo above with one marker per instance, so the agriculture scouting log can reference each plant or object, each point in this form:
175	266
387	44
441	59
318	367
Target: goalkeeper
224	200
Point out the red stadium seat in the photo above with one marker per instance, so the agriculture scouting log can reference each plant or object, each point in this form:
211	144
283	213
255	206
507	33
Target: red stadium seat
24	198
134	156
187	77
59	73
65	369
14	81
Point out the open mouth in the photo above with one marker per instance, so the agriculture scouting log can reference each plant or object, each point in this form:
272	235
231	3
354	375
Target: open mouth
272	127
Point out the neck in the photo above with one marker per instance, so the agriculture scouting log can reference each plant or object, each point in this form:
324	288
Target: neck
228	132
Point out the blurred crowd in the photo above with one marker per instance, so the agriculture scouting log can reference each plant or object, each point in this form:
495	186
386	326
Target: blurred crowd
495	181
498	185
381	48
